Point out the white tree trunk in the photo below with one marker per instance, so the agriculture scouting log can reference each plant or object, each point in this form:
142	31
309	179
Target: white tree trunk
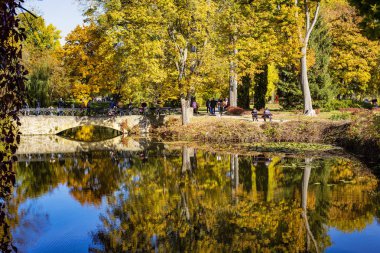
305	183
185	105
233	73
186	164
234	172
236	177
305	186
233	84
308	107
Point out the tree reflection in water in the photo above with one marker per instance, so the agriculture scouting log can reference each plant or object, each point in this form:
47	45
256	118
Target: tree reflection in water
89	176
184	199
7	182
263	204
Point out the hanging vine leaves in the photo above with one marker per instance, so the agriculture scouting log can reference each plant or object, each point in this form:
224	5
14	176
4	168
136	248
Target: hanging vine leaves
12	92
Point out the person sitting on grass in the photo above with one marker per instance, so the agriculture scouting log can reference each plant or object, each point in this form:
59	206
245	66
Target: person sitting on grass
267	115
255	114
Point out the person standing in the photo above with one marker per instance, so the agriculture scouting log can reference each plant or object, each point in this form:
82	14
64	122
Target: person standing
130	108
26	109
208	105
226	104
213	105
89	107
194	105
72	109
60	107
144	108
221	106
38	108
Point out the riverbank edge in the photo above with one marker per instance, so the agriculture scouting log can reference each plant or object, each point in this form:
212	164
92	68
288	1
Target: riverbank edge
359	137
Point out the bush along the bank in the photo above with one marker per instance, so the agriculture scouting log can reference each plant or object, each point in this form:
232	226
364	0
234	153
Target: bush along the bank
361	136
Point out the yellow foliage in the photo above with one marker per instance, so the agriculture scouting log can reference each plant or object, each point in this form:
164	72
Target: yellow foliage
353	56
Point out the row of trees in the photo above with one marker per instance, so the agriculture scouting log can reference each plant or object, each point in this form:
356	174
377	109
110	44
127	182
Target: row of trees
161	50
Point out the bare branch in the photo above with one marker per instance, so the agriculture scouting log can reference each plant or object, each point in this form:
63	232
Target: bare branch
316	14
21	7
307	13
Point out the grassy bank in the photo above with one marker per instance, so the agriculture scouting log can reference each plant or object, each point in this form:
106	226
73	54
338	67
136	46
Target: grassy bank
360	135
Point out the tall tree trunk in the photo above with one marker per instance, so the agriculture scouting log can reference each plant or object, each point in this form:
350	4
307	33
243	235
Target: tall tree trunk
307	104
193	160
185	206
185	106
185	96
254	182
186	163
234	172
305	185
260	88
236	177
243	92
308	107
233	86
233	74
271	181
186	168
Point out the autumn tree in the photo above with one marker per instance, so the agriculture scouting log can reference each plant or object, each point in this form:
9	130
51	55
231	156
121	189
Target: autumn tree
81	60
229	16
256	34
41	58
354	58
135	46
189	42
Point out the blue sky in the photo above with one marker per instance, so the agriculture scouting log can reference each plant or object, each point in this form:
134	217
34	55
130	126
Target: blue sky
63	14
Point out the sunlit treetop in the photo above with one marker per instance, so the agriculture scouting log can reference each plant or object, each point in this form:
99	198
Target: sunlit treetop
40	35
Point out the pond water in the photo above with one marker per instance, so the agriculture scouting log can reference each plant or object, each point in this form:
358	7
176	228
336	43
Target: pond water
89	133
175	198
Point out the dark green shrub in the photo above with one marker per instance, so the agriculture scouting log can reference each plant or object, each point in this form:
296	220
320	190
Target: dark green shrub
345	103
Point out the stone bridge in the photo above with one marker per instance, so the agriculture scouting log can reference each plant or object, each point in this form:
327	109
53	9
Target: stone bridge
37	125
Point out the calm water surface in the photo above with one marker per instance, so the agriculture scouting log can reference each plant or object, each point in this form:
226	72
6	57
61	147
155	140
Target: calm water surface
180	199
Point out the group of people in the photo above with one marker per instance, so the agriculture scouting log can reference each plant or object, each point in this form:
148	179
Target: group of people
373	101
222	105
212	104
